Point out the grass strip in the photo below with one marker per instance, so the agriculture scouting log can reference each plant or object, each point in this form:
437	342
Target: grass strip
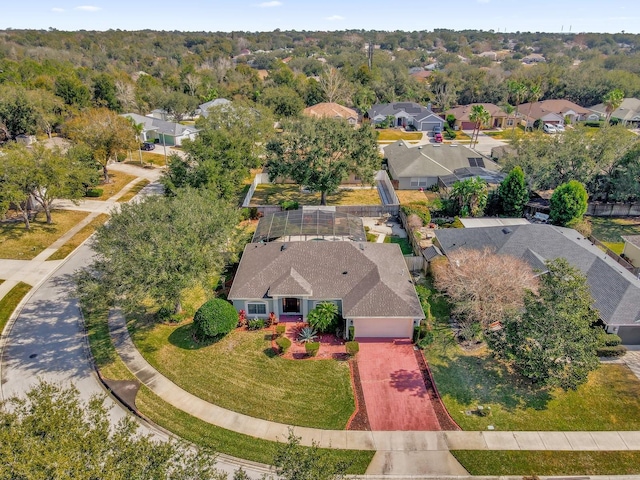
134	191
10	301
527	462
226	441
75	241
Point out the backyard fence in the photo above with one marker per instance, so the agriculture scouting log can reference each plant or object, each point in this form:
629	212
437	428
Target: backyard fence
621	261
598	209
414	264
257	180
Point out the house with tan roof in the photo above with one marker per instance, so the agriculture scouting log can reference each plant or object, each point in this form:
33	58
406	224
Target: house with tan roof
463	122
555	112
331	110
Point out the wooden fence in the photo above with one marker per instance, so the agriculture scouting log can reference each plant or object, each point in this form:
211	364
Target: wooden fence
414	263
598	209
621	261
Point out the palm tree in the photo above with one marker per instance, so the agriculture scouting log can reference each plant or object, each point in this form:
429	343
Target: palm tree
518	92
533	95
138	128
480	116
612	102
508	109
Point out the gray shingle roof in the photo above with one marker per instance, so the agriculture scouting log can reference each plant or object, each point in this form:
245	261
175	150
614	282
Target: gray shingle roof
411	109
161	126
615	290
436	160
372	279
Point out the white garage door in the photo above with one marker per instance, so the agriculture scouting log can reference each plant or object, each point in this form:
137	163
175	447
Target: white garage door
383	327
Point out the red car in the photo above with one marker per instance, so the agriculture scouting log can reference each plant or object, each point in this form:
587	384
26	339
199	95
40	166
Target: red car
437	138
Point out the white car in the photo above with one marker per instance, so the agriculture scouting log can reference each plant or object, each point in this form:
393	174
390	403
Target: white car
559	128
549	128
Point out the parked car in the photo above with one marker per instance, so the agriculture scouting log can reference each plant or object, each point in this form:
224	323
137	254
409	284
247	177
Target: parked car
437	137
437	129
148	146
559	128
549	128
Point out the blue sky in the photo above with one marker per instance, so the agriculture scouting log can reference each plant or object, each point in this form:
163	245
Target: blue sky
267	15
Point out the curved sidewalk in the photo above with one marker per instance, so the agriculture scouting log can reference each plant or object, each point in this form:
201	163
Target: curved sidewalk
357	440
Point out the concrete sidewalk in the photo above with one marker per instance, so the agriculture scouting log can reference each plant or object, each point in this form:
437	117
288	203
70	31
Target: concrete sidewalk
359	440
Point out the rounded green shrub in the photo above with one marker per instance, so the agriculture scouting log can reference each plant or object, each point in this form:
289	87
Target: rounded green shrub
312	348
214	318
280	329
283	344
616	351
352	348
94	192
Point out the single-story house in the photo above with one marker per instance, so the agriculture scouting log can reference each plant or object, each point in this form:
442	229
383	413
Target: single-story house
615	290
551	111
628	113
632	249
499	119
416	167
162	132
405	114
369	283
332	110
533	58
204	107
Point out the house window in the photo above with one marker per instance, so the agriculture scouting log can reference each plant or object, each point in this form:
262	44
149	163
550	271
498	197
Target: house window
419	182
256	309
510	122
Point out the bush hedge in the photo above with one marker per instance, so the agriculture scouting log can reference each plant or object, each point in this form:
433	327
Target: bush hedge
280	329
615	351
352	348
283	344
421	209
94	192
289	205
256	324
214	318
312	348
609	340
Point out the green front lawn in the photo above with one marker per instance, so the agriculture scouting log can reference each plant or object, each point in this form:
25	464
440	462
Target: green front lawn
609	230
117	181
274	193
610	400
182	424
483	462
18	243
393	135
240	373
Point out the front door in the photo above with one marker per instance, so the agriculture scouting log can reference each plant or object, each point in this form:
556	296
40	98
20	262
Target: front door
290	305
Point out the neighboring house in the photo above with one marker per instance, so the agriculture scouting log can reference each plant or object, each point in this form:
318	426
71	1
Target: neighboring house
632	249
551	111
160	114
405	114
463	122
628	113
615	290
533	58
204	108
162	132
490	55
422	75
416	167
332	110
369	283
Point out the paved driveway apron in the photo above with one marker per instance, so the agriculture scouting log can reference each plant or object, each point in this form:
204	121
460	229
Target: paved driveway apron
394	391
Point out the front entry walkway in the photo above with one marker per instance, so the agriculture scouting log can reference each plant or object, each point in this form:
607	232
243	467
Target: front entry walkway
393	386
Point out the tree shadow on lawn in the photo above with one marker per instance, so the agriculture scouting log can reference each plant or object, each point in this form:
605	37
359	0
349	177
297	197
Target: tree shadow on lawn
472	380
183	337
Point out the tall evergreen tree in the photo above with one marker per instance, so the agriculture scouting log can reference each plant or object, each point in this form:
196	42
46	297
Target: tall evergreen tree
514	193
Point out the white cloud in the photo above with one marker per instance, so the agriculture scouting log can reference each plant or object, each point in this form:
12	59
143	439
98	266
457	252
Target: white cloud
274	3
88	8
484	1
57	9
334	18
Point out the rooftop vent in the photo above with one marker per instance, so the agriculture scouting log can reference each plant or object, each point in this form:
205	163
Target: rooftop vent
283	247
420	147
345	272
506	230
361	246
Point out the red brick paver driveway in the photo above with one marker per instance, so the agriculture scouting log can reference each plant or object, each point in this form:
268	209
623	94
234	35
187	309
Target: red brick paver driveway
394	391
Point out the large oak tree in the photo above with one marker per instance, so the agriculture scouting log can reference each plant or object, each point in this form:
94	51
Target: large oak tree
321	153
